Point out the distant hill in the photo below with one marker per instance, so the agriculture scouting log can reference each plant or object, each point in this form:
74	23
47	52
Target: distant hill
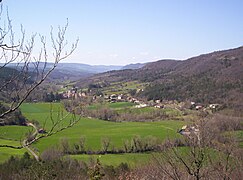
70	71
74	71
216	77
133	66
88	68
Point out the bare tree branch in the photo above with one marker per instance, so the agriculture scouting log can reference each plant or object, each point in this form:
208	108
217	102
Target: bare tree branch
74	119
22	89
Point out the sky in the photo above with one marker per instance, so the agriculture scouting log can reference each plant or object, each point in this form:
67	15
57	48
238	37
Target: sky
120	32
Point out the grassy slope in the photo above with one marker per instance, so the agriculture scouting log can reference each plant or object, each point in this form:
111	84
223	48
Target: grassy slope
110	159
118	105
15	133
239	135
122	87
93	130
5	153
12	135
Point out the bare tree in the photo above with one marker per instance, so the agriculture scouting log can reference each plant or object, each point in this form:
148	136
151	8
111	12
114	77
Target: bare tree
59	124
105	144
65	146
207	154
28	70
23	69
82	143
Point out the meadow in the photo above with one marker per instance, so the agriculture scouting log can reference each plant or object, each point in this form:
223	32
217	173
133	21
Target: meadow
123	87
6	153
132	159
116	106
92	129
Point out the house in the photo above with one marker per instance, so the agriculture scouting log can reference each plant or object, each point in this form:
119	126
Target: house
120	97
157	101
184	130
213	106
193	103
137	102
159	106
198	107
188	130
113	98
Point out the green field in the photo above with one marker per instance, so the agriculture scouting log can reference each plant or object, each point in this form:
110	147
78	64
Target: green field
129	108
15	133
12	135
116	106
123	87
239	136
132	159
93	129
5	153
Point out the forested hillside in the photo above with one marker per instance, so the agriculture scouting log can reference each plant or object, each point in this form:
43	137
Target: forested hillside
210	78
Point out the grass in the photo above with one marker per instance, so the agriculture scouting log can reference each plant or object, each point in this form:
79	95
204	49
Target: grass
167	111
6	153
132	159
44	113
239	136
117	105
12	135
94	129
15	133
123	87
128	107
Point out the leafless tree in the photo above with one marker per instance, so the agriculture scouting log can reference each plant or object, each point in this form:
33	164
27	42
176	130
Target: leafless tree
28	70
24	66
208	154
105	144
60	123
51	154
82	143
65	145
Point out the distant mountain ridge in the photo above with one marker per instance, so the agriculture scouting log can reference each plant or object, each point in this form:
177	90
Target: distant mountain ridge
74	71
133	66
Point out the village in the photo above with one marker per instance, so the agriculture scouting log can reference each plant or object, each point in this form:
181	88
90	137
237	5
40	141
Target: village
186	130
75	93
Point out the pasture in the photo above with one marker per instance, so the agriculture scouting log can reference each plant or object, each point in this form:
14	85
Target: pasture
6	153
132	159
115	106
92	129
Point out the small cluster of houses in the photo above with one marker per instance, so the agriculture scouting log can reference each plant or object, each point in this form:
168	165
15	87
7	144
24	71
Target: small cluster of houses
197	106
124	98
139	103
115	98
158	104
73	93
